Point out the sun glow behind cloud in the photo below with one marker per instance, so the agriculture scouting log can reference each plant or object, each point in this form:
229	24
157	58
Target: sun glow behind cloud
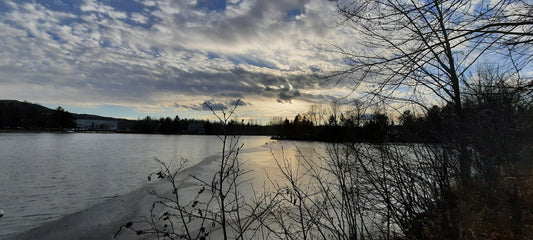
150	56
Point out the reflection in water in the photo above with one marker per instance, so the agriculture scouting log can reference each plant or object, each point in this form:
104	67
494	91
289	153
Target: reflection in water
44	176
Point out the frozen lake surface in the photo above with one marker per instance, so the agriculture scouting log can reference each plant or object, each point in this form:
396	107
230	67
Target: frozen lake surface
45	176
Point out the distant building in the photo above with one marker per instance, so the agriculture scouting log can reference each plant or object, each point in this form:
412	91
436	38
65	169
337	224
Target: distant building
91	124
196	128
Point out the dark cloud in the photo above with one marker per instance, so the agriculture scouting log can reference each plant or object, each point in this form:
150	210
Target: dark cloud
212	105
288	95
261	17
193	107
238	102
93	52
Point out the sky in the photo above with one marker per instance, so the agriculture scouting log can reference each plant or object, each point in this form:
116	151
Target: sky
138	58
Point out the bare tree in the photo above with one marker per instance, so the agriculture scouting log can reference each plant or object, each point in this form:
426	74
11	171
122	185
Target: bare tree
316	114
357	113
322	195
428	47
416	51
335	111
499	108
215	205
236	216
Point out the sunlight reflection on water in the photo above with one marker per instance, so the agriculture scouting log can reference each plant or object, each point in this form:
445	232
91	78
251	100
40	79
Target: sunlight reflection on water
44	176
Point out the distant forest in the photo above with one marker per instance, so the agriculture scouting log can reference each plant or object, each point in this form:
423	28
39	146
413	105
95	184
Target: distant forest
24	115
376	127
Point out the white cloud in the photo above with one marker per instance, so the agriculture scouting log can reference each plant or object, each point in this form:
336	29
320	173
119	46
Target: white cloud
95	6
98	57
137	17
149	3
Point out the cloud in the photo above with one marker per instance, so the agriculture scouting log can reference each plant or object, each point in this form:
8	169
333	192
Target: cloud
288	95
216	105
238	102
95	6
138	17
212	105
148	52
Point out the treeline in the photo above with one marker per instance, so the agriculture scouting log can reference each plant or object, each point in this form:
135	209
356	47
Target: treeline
24	115
177	125
29	116
496	108
349	126
375	127
371	128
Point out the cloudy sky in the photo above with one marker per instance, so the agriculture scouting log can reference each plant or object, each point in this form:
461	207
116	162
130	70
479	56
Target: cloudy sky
125	58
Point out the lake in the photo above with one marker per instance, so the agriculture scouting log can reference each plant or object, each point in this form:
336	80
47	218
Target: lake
44	176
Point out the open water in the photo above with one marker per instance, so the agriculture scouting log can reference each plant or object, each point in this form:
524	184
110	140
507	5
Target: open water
44	176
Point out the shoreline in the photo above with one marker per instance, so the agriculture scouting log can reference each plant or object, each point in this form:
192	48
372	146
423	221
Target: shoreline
99	221
103	220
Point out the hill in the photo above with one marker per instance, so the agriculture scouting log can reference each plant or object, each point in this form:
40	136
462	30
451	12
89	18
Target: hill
24	115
